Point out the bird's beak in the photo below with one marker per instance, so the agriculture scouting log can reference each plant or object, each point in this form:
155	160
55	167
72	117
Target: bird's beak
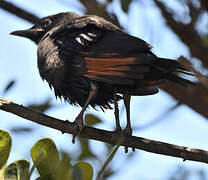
29	33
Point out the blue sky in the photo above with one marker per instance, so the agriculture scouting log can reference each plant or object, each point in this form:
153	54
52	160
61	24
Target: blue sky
182	127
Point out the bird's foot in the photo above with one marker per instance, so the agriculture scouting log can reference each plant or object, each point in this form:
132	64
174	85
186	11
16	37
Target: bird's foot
127	132
118	130
80	126
64	127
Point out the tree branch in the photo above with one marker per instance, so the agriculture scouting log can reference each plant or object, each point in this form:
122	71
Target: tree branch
195	97
204	4
106	136
186	33
96	8
18	11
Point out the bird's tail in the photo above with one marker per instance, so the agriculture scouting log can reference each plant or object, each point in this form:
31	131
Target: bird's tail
172	70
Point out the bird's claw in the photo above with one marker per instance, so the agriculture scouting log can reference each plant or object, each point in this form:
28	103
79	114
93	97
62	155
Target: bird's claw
118	130
80	126
127	132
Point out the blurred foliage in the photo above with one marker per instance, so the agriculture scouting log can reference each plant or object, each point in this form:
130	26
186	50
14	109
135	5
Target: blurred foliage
42	107
20	129
18	170
125	5
91	120
86	151
9	86
5	147
45	157
86	169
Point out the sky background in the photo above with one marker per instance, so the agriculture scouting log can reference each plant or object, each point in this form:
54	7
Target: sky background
18	61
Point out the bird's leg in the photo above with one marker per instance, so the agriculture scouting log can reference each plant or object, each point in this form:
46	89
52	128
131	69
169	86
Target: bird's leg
79	118
116	111
127	131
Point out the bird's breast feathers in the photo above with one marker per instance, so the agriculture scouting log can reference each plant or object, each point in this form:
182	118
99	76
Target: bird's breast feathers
50	65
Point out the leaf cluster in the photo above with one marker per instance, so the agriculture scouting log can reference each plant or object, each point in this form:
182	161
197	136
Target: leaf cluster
46	160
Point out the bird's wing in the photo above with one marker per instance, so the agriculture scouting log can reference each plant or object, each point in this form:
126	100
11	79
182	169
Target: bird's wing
103	52
114	69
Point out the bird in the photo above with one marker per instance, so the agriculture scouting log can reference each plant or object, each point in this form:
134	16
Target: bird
88	60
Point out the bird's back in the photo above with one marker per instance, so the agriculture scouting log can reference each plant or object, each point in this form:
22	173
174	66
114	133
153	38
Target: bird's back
88	50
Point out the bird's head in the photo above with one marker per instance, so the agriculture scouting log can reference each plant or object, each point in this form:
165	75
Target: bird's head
44	25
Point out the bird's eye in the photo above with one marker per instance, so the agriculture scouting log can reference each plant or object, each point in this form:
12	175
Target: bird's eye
46	22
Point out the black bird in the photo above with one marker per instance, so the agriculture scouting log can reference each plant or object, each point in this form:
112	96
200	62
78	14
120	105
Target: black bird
90	61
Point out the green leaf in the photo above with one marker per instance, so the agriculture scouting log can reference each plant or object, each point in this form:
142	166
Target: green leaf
65	171
45	156
86	170
125	5
2	171
91	120
5	147
77	174
18	170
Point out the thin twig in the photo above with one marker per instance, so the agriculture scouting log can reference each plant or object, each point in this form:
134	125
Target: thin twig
186	33
112	154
